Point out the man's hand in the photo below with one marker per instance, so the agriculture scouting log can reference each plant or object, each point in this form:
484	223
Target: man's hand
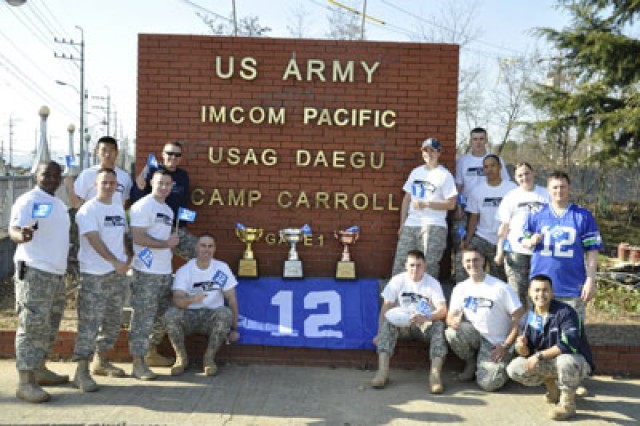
418	319
173	240
456	319
498	353
375	340
26	232
419	204
233	336
120	267
199	297
499	259
532	362
589	289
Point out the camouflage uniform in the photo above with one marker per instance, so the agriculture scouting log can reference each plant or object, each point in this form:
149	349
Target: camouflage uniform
464	342
214	323
431	333
186	248
517	267
100	302
150	296
430	239
568	369
488	250
40	300
460	273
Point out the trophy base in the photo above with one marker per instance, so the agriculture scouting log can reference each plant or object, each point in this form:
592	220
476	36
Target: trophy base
346	270
248	268
292	269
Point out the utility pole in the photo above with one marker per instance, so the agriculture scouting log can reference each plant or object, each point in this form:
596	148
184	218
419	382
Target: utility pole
80	48
106	107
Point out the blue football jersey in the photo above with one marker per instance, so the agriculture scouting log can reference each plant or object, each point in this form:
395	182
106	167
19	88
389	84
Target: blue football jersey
565	241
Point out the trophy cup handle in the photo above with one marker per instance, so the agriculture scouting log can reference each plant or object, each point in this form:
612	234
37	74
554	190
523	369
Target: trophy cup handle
260	231
238	233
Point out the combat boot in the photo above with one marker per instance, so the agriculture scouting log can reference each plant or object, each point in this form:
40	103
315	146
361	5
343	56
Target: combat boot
435	379
83	380
46	377
566	408
141	371
102	367
209	365
469	371
381	378
28	389
552	396
154	359
182	361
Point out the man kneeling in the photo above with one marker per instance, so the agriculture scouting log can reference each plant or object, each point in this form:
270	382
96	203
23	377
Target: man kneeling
553	350
420	296
200	289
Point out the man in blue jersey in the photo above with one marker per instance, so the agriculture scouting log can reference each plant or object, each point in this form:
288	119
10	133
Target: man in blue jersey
562	235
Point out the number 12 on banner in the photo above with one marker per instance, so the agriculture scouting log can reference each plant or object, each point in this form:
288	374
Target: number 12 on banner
313	323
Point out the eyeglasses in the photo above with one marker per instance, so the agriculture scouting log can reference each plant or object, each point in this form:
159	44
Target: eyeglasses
173	154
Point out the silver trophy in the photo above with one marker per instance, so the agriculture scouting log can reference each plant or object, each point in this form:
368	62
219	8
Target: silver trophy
293	265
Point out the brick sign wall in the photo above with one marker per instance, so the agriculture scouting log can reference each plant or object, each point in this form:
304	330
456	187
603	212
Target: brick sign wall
283	132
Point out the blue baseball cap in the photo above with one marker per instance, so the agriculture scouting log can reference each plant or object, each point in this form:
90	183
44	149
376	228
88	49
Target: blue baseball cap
432	143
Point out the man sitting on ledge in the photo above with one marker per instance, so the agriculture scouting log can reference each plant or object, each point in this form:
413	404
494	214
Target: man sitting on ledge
421	295
200	289
553	350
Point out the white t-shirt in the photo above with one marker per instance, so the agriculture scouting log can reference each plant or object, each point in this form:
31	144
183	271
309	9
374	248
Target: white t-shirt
214	281
485	201
157	218
469	172
111	224
407	294
49	248
429	185
84	185
514	209
488	306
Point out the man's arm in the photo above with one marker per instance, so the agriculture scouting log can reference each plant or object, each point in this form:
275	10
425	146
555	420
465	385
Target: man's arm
383	310
471	228
183	299
503	231
232	302
21	235
448	204
439	314
499	351
141	238
589	288
98	245
74	201
404	210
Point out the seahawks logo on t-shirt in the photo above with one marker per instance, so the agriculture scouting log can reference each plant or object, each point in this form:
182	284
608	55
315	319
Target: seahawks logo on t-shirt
491	201
113	221
530	206
475	171
164	218
474	303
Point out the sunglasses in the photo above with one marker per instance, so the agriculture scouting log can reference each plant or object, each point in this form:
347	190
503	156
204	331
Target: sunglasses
173	154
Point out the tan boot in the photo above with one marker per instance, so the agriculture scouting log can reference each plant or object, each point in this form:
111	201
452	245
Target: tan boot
582	392
28	389
140	370
552	396
182	361
469	372
566	408
46	377
83	380
381	378
102	367
435	379
209	365
154	359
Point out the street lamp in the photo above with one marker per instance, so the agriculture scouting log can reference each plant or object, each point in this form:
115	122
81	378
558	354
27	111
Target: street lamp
16	2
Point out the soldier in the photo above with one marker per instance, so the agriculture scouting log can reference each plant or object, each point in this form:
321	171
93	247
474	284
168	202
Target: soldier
172	154
151	227
491	311
103	258
420	293
39	221
200	290
553	350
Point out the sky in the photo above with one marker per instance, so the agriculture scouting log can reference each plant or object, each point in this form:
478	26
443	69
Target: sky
29	69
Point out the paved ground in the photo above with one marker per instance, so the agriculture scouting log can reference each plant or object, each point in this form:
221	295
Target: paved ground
276	395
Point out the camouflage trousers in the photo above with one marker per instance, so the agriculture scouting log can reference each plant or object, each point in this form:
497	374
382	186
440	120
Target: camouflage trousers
40	302
186	248
568	369
517	267
465	342
488	250
150	297
576	303
214	323
430	239
432	333
100	302
460	273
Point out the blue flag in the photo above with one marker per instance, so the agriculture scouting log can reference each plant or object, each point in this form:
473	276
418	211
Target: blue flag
306	229
146	256
70	161
240	226
152	161
41	210
424	308
354	229
186	215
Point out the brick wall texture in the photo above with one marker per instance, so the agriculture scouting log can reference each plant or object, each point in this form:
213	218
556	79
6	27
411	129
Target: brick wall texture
178	76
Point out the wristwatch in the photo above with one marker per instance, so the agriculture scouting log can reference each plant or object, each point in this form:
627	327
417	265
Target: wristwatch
540	356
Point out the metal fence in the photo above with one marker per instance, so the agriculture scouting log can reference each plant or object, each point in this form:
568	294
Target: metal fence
11	187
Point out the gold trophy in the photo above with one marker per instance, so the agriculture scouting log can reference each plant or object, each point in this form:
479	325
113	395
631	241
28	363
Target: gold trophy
248	266
346	268
293	265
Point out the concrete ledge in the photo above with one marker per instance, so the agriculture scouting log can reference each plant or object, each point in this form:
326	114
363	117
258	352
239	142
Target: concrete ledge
610	359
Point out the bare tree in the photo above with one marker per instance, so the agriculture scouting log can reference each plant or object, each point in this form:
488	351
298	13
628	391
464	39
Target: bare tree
343	24
298	18
248	26
455	23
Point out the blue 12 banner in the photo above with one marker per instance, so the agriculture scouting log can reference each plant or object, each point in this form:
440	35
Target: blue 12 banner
314	312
